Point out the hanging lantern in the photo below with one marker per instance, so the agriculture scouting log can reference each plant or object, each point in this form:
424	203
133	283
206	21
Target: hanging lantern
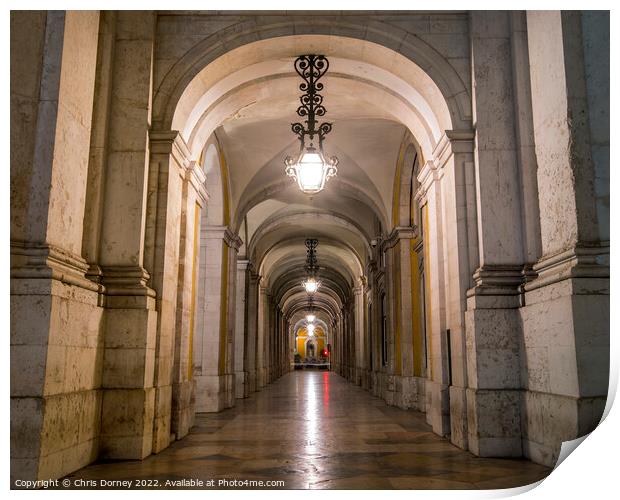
311	168
311	283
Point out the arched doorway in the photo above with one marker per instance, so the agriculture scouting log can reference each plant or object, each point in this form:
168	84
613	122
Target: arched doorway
202	99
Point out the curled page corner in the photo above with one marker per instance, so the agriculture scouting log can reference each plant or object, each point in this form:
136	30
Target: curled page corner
567	448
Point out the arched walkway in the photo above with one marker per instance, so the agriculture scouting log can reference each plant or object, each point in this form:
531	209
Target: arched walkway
158	247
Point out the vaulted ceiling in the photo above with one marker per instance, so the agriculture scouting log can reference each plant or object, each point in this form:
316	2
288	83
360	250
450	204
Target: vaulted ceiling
248	99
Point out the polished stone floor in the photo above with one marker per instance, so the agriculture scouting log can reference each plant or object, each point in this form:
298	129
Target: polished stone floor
314	429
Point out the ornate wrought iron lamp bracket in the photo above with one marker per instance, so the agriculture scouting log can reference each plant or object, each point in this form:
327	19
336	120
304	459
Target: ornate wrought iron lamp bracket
311	68
312	266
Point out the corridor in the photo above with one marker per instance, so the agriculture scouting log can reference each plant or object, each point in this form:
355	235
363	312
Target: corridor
205	202
313	429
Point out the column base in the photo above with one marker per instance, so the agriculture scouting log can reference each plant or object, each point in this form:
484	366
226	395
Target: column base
214	393
438	407
262	378
127	423
494	422
241	385
550	419
458	417
252	383
406	392
163	417
183	408
58	434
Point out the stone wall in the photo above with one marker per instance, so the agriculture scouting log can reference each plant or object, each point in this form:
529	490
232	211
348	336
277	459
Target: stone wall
56	320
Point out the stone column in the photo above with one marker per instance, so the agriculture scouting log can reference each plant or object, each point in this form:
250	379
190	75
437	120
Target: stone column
233	243
261	346
453	169
341	343
408	389
374	331
183	402
566	314
492	320
270	335
131	317
165	229
281	343
213	344
241	374
251	341
360	346
437	383
352	342
366	339
56	318
344	328
342	346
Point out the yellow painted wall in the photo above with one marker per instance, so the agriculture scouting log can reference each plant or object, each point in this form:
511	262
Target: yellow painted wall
427	288
416	294
302	336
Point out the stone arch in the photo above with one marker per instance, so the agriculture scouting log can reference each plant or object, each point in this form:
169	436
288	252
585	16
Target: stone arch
408	185
415	49
217	210
303	322
435	93
271	190
214	211
324	216
436	100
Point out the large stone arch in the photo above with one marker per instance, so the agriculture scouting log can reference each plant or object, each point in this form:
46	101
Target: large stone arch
207	84
407	184
214	212
428	58
198	89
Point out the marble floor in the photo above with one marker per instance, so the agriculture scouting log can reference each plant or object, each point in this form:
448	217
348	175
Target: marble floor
313	429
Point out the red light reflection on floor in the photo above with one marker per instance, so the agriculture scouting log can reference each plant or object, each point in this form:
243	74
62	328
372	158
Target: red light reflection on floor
326	391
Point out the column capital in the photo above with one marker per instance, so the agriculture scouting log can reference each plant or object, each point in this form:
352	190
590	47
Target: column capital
170	142
196	177
453	142
426	177
232	240
224	233
243	265
400	233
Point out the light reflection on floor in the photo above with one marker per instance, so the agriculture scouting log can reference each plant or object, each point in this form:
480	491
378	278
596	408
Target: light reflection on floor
314	429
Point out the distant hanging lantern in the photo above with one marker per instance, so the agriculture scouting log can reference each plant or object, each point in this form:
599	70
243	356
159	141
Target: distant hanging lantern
310	317
311	283
311	168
